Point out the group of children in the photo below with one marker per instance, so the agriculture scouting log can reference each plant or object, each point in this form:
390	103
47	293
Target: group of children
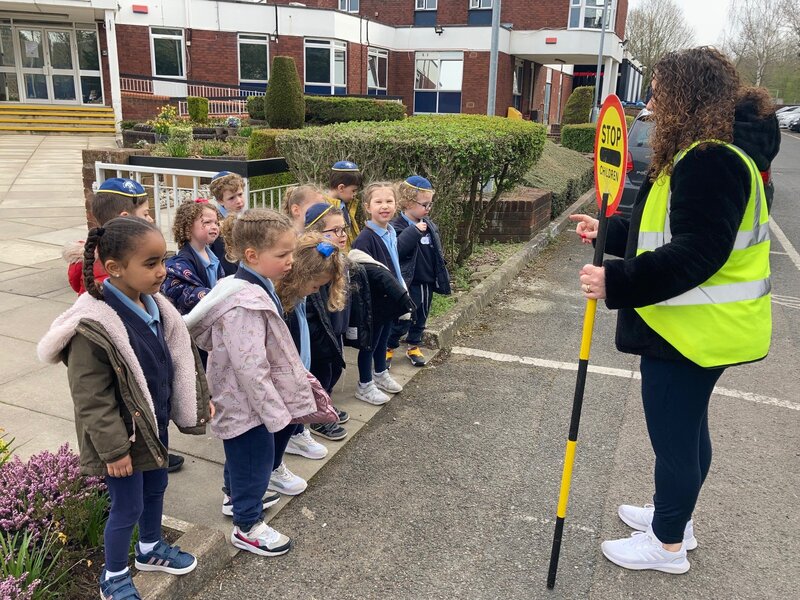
261	303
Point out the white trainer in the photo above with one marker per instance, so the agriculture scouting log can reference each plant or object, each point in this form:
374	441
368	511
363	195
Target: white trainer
261	539
286	482
644	551
269	499
387	383
303	444
641	517
371	394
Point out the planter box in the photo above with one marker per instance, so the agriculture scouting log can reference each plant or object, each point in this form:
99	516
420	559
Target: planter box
245	168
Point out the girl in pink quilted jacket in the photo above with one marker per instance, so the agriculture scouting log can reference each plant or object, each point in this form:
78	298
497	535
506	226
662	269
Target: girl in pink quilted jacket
260	387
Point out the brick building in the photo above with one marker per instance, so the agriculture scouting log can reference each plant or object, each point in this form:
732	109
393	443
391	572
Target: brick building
432	54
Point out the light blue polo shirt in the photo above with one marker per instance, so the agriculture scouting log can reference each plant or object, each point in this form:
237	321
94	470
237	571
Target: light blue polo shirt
211	265
151	316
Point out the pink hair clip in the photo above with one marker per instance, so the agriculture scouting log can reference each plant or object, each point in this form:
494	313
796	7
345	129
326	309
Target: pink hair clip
201	200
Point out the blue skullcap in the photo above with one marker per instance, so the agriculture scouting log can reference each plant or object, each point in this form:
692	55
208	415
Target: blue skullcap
316	211
122	186
221	174
345	165
420	183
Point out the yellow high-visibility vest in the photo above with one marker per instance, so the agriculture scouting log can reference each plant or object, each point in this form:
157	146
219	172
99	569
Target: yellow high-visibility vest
726	320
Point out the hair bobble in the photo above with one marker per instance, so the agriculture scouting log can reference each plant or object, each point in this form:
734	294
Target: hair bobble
201	200
326	249
100	231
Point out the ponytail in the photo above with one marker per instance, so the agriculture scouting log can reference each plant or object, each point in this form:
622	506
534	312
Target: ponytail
89	256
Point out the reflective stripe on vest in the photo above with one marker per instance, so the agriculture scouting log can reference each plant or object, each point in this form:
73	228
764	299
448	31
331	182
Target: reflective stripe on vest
727	319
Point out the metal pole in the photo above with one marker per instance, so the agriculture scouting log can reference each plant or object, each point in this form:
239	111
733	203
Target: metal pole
490	103
595	110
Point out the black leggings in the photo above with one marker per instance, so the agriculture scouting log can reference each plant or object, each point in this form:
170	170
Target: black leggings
675	395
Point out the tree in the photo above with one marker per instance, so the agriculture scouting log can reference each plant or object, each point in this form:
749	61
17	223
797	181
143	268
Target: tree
758	37
284	104
655	28
791	10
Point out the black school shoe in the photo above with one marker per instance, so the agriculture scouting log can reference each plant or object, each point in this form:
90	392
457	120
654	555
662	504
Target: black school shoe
175	463
330	431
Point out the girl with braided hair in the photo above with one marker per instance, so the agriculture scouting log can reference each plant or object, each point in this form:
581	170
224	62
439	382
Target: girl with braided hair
132	368
259	383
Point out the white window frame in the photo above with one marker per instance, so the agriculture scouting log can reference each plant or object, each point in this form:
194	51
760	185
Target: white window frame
480	4
167	36
350	6
425	5
518	77
581	5
378	53
332	46
440	57
89	72
253	39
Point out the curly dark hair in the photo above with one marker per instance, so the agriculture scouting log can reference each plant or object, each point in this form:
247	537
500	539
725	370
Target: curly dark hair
187	213
694	96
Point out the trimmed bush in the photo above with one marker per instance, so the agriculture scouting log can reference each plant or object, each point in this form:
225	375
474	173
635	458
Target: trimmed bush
284	106
579	106
255	107
262	144
198	108
324	111
578	137
461	154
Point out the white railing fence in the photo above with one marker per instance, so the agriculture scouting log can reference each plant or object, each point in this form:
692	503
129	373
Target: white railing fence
217	108
168	188
139	86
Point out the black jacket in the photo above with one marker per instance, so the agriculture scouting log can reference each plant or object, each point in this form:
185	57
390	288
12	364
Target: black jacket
760	137
710	188
408	248
360	304
324	342
218	248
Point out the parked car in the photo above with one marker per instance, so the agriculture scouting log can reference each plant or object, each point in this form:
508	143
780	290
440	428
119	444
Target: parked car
784	109
795	125
638	161
788	116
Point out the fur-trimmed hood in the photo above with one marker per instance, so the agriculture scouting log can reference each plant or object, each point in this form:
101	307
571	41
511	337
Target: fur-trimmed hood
362	258
72	252
87	308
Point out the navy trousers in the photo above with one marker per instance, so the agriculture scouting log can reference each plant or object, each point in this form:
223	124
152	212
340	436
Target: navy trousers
376	357
675	395
250	459
138	498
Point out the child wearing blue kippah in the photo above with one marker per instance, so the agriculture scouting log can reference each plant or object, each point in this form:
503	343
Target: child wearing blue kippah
422	262
343	184
228	191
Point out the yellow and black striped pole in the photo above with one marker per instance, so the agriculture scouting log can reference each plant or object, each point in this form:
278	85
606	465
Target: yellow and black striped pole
577	403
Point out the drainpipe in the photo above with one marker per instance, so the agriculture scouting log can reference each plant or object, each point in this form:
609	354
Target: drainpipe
113	70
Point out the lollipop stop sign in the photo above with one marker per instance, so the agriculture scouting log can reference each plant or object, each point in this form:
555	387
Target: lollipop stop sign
610	154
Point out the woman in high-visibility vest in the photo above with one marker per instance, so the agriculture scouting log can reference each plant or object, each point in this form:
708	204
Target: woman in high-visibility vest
692	289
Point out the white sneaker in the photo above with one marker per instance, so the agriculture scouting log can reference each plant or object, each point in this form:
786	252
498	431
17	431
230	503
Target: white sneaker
286	482
303	444
387	383
261	539
641	517
371	394
644	551
269	499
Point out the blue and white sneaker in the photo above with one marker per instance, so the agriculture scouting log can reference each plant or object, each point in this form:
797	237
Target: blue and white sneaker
261	539
118	588
166	558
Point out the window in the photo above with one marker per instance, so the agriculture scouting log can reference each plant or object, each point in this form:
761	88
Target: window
437	85
426	5
478	4
325	67
377	72
349	5
89	65
168	52
587	14
253	58
517	84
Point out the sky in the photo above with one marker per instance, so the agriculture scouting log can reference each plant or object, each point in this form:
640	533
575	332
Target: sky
707	17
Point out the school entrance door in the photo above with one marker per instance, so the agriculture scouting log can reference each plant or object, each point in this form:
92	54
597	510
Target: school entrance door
49	64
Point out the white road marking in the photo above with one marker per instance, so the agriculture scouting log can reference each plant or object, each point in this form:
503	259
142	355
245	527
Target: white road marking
624	373
787	301
787	245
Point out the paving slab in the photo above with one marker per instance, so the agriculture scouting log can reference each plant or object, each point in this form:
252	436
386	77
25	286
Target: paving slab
36	434
58	237
31	321
19	359
39	282
10	230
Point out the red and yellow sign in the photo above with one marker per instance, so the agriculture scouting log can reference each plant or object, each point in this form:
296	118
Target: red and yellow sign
610	153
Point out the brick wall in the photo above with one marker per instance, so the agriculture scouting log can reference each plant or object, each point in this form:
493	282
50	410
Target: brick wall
622	18
357	56
475	84
452	12
394	12
142	107
518	216
133	47
402	72
212	56
289	46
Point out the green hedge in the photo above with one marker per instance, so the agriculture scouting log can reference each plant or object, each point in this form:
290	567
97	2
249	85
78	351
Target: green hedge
579	106
284	105
198	108
578	137
460	154
324	111
262	143
255	107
